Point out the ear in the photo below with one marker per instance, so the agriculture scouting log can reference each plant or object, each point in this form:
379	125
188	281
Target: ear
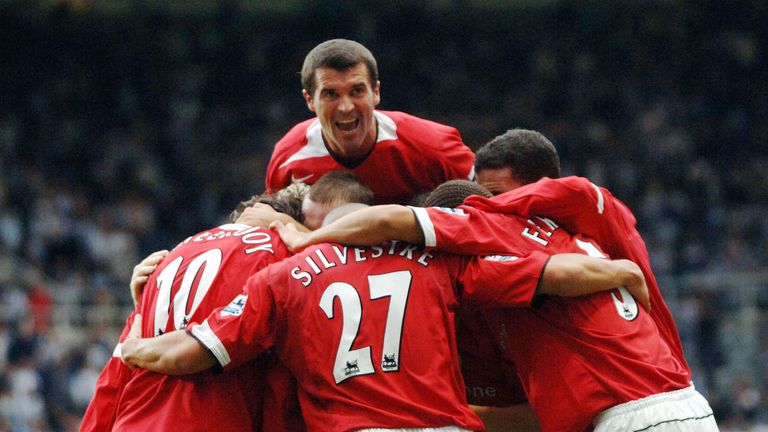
376	94
308	98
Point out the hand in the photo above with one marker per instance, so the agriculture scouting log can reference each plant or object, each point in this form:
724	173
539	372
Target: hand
128	348
637	288
258	215
141	273
293	238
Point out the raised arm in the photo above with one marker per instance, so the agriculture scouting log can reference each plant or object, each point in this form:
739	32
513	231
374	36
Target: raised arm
174	353
366	227
571	275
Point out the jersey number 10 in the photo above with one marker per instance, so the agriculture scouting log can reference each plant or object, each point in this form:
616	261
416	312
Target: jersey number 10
207	262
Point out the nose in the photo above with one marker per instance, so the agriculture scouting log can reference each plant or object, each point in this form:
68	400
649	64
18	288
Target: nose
346	105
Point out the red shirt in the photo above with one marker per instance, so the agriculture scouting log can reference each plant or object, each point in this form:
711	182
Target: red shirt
580	206
411	155
576	356
202	273
369	332
101	412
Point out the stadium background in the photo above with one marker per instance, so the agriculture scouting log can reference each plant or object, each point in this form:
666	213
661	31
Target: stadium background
125	126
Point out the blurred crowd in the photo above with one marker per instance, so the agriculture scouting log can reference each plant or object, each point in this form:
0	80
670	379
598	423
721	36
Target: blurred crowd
122	133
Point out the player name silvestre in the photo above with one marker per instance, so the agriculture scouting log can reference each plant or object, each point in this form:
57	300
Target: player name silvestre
343	255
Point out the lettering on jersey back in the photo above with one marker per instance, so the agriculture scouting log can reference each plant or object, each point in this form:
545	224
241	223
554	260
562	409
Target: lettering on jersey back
539	230
321	260
261	240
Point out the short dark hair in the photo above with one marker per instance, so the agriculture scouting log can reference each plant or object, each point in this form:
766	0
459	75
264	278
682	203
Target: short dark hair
452	193
287	200
338	54
529	154
339	187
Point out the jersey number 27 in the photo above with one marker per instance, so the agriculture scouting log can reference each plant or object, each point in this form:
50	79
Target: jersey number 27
354	362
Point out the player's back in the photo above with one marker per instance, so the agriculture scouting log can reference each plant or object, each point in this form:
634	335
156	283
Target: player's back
369	334
580	206
202	273
575	356
579	356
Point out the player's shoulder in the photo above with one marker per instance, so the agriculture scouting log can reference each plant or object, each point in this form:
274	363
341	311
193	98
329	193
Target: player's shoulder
410	121
424	136
296	136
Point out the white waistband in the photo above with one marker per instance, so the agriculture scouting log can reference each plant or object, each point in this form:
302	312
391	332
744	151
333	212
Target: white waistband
657	399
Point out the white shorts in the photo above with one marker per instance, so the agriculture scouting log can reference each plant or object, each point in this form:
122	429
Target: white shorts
440	429
683	410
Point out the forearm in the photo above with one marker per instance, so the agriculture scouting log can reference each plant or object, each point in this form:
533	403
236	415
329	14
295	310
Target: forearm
174	353
370	226
575	274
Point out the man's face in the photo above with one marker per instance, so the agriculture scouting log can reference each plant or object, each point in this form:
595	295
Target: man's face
497	180
313	212
344	103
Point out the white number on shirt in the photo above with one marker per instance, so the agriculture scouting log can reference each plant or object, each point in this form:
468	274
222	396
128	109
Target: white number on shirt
209	262
349	362
625	304
626	307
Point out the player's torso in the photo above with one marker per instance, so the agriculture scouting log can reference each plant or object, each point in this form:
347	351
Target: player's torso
586	208
403	162
579	356
204	272
571	353
373	324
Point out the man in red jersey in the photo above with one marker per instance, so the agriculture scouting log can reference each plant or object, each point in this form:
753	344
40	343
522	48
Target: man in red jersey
201	273
518	158
369	332
620	373
396	154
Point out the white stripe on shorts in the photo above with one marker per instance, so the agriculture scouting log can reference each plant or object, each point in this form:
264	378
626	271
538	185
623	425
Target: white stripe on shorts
683	410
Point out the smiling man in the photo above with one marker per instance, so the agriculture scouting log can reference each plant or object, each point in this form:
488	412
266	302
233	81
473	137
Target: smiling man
396	154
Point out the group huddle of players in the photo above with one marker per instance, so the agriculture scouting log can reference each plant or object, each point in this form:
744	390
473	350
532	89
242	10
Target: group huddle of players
398	316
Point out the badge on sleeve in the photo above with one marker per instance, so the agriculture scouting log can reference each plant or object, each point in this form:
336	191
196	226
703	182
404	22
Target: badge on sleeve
235	308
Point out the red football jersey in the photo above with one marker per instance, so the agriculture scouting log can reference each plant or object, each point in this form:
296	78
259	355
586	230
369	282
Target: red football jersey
101	412
575	356
411	155
202	273
580	206
369	332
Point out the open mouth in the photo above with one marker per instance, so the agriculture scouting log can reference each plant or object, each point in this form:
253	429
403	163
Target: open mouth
347	126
